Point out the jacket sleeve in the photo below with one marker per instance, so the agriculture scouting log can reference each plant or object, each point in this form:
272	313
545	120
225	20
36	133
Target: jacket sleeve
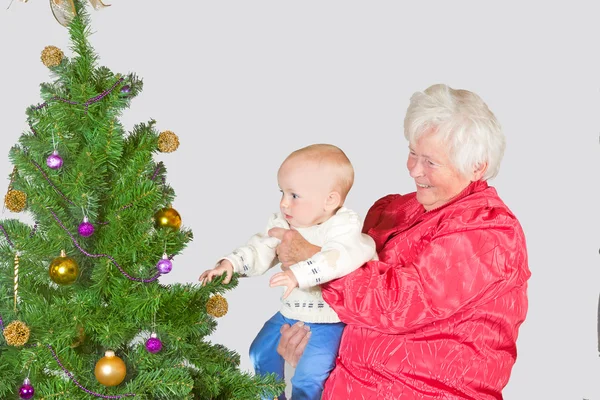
345	249
456	270
258	255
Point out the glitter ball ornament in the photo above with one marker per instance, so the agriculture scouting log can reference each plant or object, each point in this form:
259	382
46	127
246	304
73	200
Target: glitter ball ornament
110	370
16	333
15	200
167	218
63	270
153	344
164	266
217	306
167	142
54	161
26	390
85	229
52	56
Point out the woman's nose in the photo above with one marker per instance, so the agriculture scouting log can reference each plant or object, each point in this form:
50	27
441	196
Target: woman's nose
415	168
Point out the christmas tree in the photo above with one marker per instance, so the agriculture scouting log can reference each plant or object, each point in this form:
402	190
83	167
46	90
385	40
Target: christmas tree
82	312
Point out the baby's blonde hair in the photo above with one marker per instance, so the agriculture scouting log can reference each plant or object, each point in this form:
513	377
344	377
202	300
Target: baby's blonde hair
332	157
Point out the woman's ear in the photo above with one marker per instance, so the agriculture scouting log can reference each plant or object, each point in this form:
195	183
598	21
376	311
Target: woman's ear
479	171
333	201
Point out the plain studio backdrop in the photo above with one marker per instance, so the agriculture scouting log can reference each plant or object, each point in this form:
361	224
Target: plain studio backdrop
243	83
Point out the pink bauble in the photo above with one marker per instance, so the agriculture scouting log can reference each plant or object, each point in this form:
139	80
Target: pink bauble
85	228
153	344
54	161
26	391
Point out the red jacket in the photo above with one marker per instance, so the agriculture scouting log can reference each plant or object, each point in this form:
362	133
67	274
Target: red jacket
437	316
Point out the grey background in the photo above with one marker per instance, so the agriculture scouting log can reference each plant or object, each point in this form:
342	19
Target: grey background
243	83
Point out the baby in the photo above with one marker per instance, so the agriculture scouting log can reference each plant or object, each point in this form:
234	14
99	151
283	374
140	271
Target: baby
314	182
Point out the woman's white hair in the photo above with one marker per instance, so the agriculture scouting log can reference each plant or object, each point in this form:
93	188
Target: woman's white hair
463	122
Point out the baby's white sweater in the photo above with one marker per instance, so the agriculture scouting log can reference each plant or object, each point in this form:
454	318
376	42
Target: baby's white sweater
344	248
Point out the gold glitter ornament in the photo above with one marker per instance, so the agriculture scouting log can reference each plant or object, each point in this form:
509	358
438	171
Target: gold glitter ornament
52	56
217	306
15	200
167	142
16	333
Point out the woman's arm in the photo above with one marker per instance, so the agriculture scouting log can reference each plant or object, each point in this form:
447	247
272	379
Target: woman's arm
455	270
344	249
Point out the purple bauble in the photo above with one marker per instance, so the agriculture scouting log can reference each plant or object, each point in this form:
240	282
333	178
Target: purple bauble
54	161
26	391
126	89
153	344
165	265
86	228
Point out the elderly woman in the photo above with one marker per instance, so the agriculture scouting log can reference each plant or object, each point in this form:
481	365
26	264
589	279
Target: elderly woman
437	316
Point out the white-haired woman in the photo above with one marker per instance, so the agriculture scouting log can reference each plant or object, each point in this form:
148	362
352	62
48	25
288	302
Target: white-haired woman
437	316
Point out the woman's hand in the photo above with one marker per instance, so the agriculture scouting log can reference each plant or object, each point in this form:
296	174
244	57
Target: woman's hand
293	342
293	247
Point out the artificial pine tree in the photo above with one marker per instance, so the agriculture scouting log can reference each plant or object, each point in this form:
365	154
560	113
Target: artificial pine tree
82	312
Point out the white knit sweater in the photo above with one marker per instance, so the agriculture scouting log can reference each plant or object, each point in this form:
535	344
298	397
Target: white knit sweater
343	249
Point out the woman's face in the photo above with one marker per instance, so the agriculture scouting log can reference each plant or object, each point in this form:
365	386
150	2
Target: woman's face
436	178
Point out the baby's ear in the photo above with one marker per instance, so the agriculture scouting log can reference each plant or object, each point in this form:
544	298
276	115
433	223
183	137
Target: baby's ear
333	201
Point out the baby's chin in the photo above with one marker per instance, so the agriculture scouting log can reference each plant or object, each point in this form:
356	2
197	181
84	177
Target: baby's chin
302	226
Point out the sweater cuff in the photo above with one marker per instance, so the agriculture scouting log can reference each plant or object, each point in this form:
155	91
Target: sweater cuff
305	272
237	260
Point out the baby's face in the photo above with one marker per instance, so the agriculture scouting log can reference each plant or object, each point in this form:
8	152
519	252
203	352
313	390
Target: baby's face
305	187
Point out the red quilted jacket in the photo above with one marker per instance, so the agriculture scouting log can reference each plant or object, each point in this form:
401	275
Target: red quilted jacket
437	316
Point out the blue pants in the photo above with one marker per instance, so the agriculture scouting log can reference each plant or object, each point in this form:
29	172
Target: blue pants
316	362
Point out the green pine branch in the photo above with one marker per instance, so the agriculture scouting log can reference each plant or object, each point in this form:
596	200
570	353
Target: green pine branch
110	177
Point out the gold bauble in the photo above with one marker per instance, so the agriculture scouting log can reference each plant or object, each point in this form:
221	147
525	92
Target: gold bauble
52	56
167	218
110	370
168	142
217	306
16	333
63	270
15	200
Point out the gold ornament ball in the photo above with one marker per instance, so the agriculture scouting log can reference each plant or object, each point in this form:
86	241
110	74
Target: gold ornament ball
167	142
63	270
217	306
52	56
110	370
167	218
15	200
16	333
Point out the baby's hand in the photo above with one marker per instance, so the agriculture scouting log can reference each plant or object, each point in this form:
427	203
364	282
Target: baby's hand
285	278
224	267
